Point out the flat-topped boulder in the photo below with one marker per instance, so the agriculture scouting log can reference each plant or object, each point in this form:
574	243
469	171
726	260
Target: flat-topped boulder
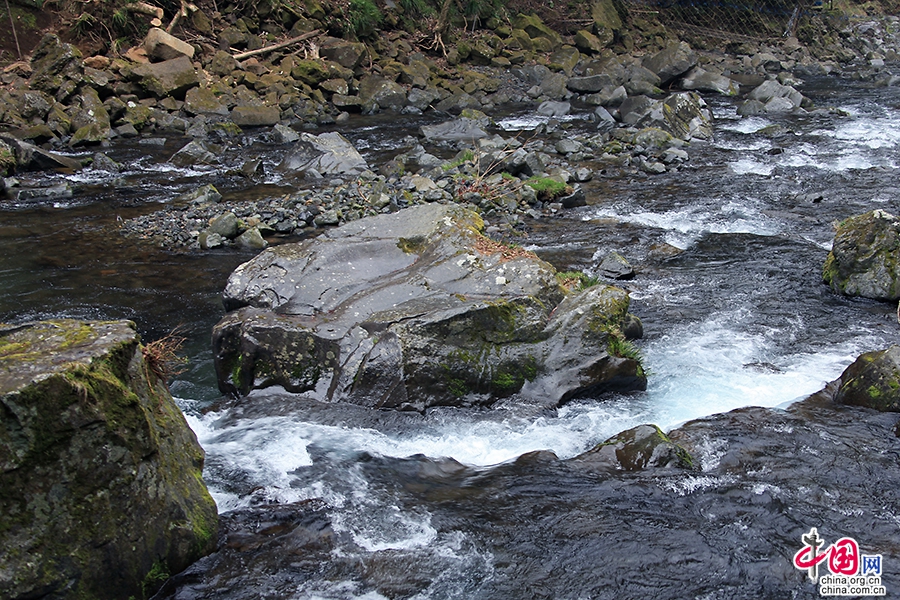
418	309
100	475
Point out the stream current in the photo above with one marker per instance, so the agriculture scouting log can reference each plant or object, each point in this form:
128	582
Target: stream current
471	504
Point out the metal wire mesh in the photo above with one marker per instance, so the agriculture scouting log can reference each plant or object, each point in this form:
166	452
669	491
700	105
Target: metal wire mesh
735	20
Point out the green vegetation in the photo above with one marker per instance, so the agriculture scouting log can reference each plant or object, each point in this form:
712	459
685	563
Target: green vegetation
363	18
157	576
459	160
576	280
547	188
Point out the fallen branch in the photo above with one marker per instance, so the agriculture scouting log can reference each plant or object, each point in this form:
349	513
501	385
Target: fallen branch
299	38
145	9
186	9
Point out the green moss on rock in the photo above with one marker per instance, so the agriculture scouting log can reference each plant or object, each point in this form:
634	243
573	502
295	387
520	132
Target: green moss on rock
100	476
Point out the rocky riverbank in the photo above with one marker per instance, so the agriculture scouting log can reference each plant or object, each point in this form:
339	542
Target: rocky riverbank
211	100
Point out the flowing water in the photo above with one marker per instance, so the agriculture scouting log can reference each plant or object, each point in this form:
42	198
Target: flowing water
728	253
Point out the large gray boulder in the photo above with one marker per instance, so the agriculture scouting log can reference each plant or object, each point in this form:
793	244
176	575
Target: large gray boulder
777	97
326	154
671	62
700	80
863	257
169	78
100	475
462	129
418	309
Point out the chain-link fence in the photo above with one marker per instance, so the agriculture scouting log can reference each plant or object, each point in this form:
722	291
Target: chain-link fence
734	20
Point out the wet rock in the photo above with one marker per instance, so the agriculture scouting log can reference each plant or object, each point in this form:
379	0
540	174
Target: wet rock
327	154
863	257
683	115
251	239
615	266
52	192
255	116
873	381
671	62
194	153
8	160
704	81
777	97
573	200
552	108
642	447
102	162
461	129
203	101
29	156
590	84
349	317
375	91
205	194
225	225
161	46
100	476
284	134
169	78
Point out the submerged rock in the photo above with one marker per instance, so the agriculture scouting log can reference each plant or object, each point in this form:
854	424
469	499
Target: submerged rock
418	309
100	476
863	258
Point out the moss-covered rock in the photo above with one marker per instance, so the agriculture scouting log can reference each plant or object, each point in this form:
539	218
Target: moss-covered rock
864	257
100	476
641	447
873	380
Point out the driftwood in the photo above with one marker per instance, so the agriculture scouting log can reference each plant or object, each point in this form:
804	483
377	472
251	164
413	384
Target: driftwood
284	44
186	9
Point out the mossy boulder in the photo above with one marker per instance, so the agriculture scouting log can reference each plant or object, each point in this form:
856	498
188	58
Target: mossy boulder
100	476
418	309
638	448
53	63
864	257
873	381
537	30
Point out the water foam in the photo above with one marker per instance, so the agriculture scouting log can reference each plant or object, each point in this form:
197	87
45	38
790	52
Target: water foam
688	224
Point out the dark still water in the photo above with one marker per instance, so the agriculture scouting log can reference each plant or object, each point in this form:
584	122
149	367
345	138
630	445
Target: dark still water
339	502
